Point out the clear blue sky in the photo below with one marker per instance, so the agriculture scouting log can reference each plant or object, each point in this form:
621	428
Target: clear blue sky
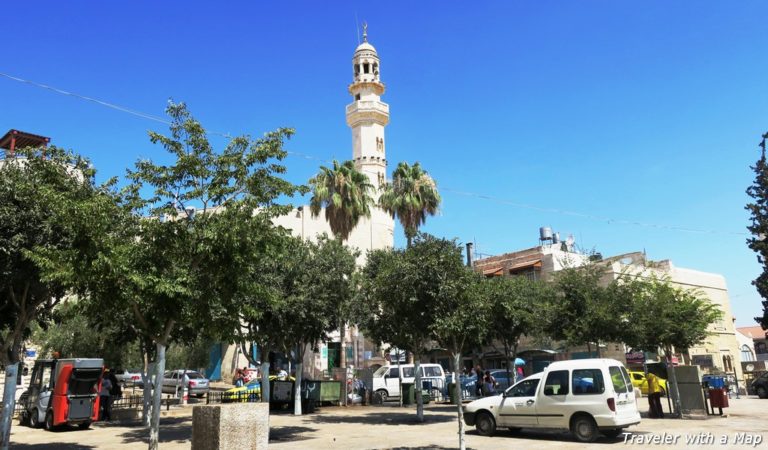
643	112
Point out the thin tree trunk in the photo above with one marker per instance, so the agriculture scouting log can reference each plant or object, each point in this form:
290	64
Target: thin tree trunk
297	384
510	360
154	429
417	389
146	378
265	378
9	403
399	378
597	345
675	392
457	395
589	349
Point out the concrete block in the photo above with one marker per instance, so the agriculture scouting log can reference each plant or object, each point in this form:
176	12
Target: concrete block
234	426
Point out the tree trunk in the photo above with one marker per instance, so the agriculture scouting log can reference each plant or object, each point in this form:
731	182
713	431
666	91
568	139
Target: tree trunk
343	346
146	378
297	390
675	391
510	360
265	379
399	379
589	349
597	345
154	428
9	404
417	389
457	395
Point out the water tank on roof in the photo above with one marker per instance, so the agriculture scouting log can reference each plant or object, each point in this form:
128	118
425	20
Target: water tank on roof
545	233
556	238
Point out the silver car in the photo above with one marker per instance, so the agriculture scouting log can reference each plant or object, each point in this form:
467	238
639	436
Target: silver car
195	381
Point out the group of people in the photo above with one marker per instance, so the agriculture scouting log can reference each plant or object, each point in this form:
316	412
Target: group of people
244	376
486	384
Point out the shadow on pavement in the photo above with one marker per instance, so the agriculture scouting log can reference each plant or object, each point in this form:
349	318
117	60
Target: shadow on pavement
285	434
539	435
51	446
400	417
172	429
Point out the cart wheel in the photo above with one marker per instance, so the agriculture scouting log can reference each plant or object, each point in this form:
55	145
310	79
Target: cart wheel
49	426
34	419
84	425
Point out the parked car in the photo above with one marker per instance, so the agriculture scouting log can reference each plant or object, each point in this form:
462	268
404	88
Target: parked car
127	377
585	396
387	379
640	382
760	385
195	381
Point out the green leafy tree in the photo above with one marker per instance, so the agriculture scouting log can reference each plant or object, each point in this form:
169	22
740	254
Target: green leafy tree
520	307
49	203
668	317
173	261
462	298
396	302
411	196
587	310
758	210
344	193
317	288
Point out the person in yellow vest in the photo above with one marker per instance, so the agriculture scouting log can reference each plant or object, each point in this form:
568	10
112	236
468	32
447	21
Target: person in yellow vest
654	397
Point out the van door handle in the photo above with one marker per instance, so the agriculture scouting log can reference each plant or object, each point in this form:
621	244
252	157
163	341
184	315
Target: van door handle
529	402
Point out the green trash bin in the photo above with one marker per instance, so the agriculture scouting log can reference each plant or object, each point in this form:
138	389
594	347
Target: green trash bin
408	397
452	392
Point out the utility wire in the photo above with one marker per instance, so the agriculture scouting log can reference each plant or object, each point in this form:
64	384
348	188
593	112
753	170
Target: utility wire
464	193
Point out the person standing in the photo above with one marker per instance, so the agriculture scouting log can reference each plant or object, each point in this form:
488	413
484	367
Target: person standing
654	397
105	398
479	382
489	384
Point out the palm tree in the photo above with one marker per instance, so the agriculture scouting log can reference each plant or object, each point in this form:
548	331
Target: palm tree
344	192
410	196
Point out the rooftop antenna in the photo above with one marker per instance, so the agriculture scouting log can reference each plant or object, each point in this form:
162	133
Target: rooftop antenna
357	28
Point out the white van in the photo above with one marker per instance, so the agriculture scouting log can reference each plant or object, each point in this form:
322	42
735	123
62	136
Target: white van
585	396
387	379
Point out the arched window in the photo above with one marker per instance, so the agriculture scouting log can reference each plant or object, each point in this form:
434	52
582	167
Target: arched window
366	67
746	353
375	68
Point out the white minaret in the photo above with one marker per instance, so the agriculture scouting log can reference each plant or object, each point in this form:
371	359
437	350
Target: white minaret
367	115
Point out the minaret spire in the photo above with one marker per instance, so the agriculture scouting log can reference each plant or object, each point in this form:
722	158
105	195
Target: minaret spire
365	31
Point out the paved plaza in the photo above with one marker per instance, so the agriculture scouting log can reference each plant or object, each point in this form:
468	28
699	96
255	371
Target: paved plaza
384	427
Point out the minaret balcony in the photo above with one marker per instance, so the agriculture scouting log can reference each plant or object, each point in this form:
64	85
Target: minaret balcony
367	111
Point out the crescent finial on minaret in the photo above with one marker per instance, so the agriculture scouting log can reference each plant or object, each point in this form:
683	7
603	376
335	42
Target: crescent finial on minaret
365	31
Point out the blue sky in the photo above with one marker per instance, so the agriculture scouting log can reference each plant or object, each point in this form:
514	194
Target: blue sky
645	112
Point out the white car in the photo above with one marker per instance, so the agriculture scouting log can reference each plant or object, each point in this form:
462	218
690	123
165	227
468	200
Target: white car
127	377
585	396
387	379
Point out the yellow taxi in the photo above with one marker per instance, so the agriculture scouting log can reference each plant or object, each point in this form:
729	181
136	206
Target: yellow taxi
249	392
640	382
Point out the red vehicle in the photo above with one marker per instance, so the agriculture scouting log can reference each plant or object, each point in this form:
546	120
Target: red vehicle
63	391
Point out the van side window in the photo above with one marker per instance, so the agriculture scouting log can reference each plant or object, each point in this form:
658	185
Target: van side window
432	371
394	372
628	380
557	383
618	380
587	381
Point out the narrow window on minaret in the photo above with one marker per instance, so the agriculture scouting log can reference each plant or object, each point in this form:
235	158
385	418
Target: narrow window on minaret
375	68
357	96
366	66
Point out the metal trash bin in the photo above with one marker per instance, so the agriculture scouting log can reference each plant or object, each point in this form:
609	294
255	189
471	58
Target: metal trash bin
408	397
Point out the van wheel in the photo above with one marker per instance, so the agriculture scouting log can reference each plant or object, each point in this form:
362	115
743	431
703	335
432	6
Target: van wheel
34	419
584	428
49	426
762	392
612	434
382	395
485	424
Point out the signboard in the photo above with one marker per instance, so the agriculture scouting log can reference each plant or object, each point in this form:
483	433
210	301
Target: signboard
702	360
635	357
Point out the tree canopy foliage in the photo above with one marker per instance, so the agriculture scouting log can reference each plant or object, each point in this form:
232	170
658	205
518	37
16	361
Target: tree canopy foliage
410	196
345	193
758	242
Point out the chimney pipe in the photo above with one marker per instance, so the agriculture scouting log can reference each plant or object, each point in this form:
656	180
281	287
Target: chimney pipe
469	254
